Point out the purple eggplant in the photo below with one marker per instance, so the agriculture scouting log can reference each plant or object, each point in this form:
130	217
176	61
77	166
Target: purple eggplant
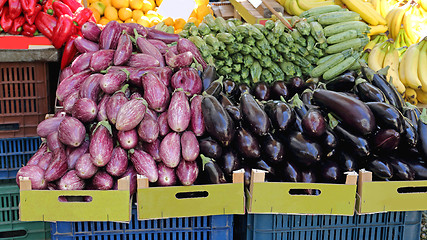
160	45
387	116
146	47
85	110
113	81
144	164
247	175
130	29
179	113
49	126
66	72
102	181
101	60
401	170
135	76
185	45
167	176
422	133
230	162
305	151
368	92
263	165
189	146
102	108
181	60
410	135
127	139
114	104
358	145
109	37
343	83
84	166
53	141
130	114
254	115
215	88
234	113
69	102
330	172
229	87
71	132
188	79
412	113
58	166
135	95
247	144
71	84
119	162
162	36
296	85
307	96
290	173
197	123
279	89
35	159
131	172
70	181
81	62
209	75
76	153
329	142
213	171
419	167
155	92
91	31
36	176
386	140
308	176
60	113
354	113
380	168
90	87
148	129
163	124
153	149
346	161
218	122
124	50
85	46
313	123
262	91
187	172
101	144
210	148
46	160
170	149
281	114
139	60
273	149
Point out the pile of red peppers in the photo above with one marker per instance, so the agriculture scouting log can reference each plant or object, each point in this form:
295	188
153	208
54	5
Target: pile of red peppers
58	20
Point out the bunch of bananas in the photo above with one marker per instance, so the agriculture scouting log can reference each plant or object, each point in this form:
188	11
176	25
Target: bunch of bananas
383	6
366	10
296	7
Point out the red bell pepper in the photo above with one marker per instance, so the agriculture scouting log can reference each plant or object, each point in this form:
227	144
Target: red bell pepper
1	11
28	6
73	4
82	15
47	7
15	8
28	30
61	9
17	25
46	23
70	51
30	19
2	2
63	31
6	22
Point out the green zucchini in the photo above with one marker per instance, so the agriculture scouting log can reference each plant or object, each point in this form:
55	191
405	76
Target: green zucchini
354	43
330	63
344	26
343	36
341	67
337	17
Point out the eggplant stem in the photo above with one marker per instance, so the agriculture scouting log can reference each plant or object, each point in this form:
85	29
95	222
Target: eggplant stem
333	122
423	116
205	160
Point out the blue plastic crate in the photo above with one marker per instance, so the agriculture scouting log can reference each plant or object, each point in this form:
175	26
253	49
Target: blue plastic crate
15	153
380	226
200	228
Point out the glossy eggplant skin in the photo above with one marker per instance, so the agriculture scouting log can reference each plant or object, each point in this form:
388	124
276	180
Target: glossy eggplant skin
356	144
290	172
412	113
380	168
419	168
263	165
247	144
217	120
422	134
313	123
410	135
346	161
261	91
369	93
392	96
254	115
225	101
208	76
210	148
329	142
279	89
234	112
343	83
242	88
386	140
273	150
307	97
215	88
305	151
280	113
296	85
214	173
230	162
230	87
298	106
354	113
402	171
387	116
330	172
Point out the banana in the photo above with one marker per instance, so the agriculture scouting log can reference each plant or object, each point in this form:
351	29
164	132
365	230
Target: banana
287	7
408	25
402	73
410	94
411	66
295	8
308	4
422	67
397	20
376	4
406	39
392	59
389	16
339	2
377	30
423	4
421	96
372	43
376	57
368	14
384	7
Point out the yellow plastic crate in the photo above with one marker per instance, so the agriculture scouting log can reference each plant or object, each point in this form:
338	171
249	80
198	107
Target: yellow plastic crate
275	197
188	201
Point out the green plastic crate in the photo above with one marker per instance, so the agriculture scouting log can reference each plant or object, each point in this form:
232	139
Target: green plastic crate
10	226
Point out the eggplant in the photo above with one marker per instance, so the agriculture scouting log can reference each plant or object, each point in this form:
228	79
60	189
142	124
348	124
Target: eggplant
412	113
102	109
187	172
296	85
170	150
368	92
53	141
167	176
85	46
179	112
90	87
163	124
114	104
305	151
230	88
210	148
131	28
188	79
419	168
307	96
81	63
234	112
279	89
422	133
343	83
225	101
102	181
185	45
91	31
70	181
71	132
153	149
146	47
247	175
131	172
69	102
144	164
161	46
162	36
101	60
46	160
85	110
380	168
139	60
217	121
410	135
242	88
189	146
113	81
215	88
346	161
49	126
354	113
35	159
130	114
358	145
124	50
247	144
148	129
313	124
101	144
212	170
261	91
35	174
230	162
271	172
290	172
386	140
127	139
109	36
273	150
280	113
71	84
330	172
57	167
179	60
297	126
329	142
208	76
401	170
298	106
254	115
387	116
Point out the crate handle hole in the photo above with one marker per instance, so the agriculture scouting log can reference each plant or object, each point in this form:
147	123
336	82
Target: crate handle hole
12	234
75	198
404	190
199	194
9	127
314	192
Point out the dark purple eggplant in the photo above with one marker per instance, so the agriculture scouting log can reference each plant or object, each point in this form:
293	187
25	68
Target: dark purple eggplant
101	60
208	76
247	144
217	120
81	63
306	152
124	50
329	142
210	148
85	46
90	87
297	124
213	171
91	31
234	112
330	172
271	172
307	96
368	92
346	161
109	37
356	144
290	173
215	88
298	106
71	132
380	168
419	167
422	133
387	116
242	88
273	150
343	83
85	110
354	113
225	101
229	87
386	140
412	113
101	144
401	170
230	162
279	89
102	109
280	113
410	135
247	175
296	85
254	115
313	124
261	91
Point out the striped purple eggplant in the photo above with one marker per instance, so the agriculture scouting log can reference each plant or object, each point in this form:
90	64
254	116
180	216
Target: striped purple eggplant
101	144
181	60
71	84
170	150
36	176
148	129
153	149
153	33
46	160
109	37
130	114
185	45
151	113
128	139
187	172
197	123
189	146
81	62
144	164
101	60
76	153
179	113
124	50
53	141
131	27
69	102
84	166
90	87
70	181
114	104
58	166
146	47
35	159
161	46
139	60
163	123
102	108
189	80
66	72
113	81
85	46
49	126
71	132
102	181
155	92
85	110
119	162
91	31
131	173
167	176
135	95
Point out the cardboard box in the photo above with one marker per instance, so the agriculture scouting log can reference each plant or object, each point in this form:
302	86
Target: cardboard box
188	201
275	197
